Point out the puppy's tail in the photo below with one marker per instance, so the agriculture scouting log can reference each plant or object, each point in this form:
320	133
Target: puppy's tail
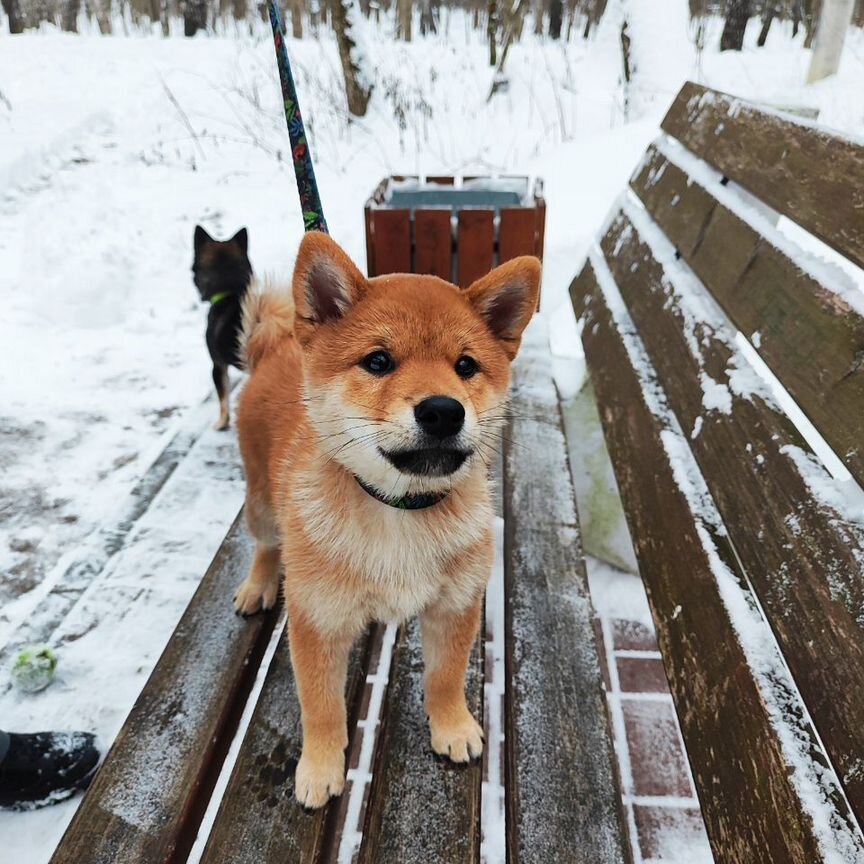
268	319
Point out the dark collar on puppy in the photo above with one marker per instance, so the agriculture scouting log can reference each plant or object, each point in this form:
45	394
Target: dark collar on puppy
406	502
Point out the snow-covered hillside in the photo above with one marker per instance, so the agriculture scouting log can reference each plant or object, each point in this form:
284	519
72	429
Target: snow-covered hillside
111	149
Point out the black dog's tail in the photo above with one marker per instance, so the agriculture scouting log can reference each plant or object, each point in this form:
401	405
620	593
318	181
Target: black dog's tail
268	318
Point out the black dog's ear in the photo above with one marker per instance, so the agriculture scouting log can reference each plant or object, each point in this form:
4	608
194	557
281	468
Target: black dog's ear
202	238
241	238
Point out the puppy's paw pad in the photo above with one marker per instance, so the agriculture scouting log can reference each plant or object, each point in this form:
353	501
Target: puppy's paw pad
316	784
252	597
459	742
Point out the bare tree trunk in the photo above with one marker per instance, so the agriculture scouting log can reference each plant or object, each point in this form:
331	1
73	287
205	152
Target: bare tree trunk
556	18
404	14
358	85
101	11
428	22
194	16
737	16
834	21
241	10
513	19
492	31
13	12
297	19
69	21
768	15
538	17
811	16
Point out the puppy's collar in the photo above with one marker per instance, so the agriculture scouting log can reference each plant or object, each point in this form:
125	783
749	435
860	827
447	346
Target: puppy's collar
216	299
406	502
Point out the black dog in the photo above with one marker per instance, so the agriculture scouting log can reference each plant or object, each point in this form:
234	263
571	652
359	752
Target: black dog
222	273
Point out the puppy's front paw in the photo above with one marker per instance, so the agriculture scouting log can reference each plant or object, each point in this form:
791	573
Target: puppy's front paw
460	741
252	597
317	780
222	423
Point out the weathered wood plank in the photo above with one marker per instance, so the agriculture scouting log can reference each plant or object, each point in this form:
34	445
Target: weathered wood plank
803	172
391	241
562	791
422	809
757	767
475	244
259	821
148	798
804	560
812	339
517	233
433	243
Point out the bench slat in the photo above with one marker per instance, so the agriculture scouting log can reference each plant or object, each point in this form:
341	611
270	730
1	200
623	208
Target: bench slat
803	560
259	821
814	178
422	808
811	338
148	798
562	791
727	678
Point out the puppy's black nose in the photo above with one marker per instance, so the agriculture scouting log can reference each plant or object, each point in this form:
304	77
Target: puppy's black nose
440	416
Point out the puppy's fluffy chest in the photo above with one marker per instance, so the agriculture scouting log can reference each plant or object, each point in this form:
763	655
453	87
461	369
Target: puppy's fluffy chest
373	562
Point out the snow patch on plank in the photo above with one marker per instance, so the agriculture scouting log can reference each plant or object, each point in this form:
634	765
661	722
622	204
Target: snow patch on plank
823	271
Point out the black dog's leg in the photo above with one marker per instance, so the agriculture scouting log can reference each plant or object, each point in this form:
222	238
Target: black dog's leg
220	379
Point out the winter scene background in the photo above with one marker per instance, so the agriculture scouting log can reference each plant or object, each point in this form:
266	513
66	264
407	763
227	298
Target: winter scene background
123	123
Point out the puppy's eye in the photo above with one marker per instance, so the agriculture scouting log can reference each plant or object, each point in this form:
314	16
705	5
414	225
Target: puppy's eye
378	363
466	367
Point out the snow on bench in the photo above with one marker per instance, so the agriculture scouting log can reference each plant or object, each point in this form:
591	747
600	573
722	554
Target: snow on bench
751	552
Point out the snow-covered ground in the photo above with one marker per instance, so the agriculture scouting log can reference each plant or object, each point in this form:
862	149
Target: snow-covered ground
111	149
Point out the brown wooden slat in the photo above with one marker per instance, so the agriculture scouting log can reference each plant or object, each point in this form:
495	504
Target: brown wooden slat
562	791
814	178
422	808
813	341
370	240
804	561
751	809
259	821
433	243
517	233
148	798
441	179
391	237
475	245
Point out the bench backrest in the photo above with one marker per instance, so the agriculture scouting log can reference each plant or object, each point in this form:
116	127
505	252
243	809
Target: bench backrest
753	564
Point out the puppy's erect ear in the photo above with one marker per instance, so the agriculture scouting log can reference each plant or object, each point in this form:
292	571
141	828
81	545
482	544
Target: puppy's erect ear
326	281
241	238
202	238
506	299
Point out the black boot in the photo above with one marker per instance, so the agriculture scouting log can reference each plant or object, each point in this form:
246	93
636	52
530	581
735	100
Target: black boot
44	767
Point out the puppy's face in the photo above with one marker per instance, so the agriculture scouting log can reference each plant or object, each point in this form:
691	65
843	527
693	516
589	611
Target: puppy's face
407	376
220	266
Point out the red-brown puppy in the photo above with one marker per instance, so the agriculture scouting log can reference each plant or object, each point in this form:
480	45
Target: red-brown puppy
366	430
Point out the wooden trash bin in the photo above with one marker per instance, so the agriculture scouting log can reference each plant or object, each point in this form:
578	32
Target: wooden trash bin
455	228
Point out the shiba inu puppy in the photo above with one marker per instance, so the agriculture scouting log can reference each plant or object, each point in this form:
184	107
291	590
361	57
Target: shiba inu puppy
367	426
222	272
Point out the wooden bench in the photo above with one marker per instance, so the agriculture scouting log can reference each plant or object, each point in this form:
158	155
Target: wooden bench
160	784
753	563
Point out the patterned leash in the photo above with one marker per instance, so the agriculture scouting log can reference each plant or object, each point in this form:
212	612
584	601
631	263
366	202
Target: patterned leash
310	202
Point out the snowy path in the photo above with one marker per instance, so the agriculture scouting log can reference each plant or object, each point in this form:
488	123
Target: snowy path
114	632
